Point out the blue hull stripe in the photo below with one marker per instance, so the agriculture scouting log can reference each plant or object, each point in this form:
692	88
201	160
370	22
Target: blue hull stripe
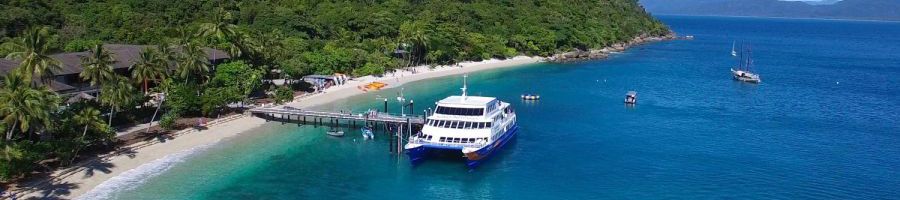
419	154
486	152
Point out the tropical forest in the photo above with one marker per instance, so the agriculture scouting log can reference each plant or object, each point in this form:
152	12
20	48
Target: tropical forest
263	40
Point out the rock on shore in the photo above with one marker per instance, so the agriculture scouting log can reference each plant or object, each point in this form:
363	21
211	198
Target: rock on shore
578	54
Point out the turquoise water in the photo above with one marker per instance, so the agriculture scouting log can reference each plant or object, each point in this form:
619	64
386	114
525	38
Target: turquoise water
822	125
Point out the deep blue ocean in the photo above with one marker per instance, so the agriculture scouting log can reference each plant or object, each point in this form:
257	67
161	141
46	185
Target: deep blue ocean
823	124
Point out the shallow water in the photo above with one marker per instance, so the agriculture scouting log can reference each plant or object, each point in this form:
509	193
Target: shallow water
822	125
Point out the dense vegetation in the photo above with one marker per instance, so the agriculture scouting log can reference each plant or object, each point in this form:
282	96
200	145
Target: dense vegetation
293	37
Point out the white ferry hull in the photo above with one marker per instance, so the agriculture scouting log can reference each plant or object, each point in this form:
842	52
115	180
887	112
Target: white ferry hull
419	152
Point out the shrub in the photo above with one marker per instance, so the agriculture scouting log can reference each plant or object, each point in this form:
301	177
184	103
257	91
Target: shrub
168	120
283	94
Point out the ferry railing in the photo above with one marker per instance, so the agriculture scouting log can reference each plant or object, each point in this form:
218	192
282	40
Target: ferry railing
420	140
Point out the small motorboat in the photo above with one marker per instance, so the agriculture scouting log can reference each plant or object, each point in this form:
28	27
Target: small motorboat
631	97
531	97
335	133
367	133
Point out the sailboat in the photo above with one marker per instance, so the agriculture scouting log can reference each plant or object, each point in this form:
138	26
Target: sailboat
733	52
743	73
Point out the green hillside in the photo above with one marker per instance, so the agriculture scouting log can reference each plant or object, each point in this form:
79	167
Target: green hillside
298	34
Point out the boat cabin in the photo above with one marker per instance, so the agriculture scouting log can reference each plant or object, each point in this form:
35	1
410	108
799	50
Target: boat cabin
463	120
631	97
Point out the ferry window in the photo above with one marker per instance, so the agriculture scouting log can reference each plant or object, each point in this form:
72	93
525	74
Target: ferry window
460	111
468	125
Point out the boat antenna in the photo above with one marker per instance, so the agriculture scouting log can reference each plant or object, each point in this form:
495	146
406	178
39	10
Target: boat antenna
464	94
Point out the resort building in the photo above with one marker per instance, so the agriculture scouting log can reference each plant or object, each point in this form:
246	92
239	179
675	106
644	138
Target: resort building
66	82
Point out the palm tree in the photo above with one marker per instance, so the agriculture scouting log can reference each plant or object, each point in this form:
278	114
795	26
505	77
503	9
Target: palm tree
33	54
116	93
89	118
168	56
25	107
192	61
221	29
416	34
98	67
149	67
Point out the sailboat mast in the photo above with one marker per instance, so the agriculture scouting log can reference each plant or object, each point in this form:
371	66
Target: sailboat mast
741	61
749	56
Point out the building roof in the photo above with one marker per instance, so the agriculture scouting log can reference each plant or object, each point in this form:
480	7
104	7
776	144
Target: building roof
81	96
6	66
328	77
124	54
468	101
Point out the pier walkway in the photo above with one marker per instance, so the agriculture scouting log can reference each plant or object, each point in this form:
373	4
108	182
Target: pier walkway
297	114
397	127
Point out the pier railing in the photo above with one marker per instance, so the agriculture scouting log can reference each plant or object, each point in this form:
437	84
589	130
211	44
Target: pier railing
289	113
399	126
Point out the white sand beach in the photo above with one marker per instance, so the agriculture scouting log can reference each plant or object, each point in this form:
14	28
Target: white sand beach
76	181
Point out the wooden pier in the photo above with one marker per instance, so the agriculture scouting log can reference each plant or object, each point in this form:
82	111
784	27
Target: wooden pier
398	127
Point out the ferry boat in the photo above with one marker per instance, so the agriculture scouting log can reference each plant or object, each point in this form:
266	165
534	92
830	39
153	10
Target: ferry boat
475	127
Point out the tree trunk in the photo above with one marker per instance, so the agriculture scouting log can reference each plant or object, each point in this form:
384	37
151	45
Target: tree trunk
112	111
145	87
11	130
78	146
154	115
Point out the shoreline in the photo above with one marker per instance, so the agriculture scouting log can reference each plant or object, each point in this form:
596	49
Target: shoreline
604	53
74	182
84	178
